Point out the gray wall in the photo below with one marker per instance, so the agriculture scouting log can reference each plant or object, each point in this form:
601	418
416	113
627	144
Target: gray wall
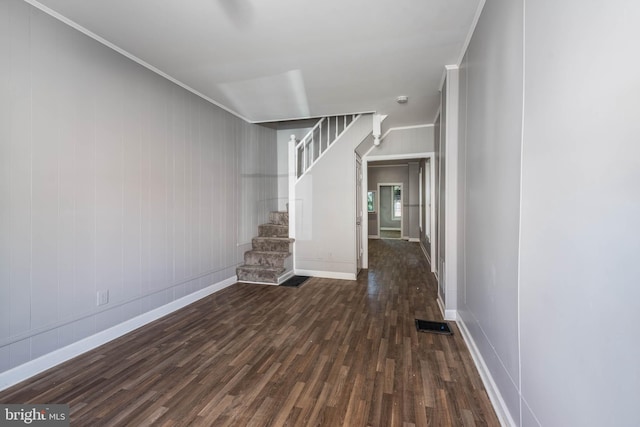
412	201
111	178
580	232
386	174
386	209
491	75
551	228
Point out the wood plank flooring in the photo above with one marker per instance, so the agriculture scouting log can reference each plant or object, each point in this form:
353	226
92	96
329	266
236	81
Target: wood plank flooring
332	353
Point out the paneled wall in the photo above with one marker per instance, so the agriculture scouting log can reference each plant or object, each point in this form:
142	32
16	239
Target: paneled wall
491	75
111	179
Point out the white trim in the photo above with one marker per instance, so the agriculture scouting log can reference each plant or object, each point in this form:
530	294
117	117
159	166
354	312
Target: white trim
292	119
390	166
414	239
446	314
161	73
432	225
451	190
520	207
426	155
291	205
465	45
377	158
258	283
131	56
373	236
391	184
326	274
404	128
499	405
390	229
472	29
286	276
437	116
364	242
361	214
447	68
315	162
367	153
424	251
49	360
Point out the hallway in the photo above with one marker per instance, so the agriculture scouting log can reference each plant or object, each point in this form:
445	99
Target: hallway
331	353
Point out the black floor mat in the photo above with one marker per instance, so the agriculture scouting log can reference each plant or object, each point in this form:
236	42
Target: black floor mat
433	327
295	281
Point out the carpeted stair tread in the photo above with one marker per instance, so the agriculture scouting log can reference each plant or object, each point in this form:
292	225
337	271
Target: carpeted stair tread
283	253
279	218
270	254
273	230
261	268
259	273
277	244
266	258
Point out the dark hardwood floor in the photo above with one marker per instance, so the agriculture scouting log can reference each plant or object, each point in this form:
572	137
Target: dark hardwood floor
328	353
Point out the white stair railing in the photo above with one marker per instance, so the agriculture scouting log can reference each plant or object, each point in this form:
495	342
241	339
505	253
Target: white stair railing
318	140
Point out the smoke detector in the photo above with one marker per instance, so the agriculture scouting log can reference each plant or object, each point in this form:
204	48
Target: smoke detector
402	99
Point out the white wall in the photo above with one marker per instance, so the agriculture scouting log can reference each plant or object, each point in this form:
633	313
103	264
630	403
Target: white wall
283	137
490	137
580	241
325	208
405	140
111	178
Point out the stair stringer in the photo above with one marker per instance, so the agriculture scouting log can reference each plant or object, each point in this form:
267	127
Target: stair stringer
323	216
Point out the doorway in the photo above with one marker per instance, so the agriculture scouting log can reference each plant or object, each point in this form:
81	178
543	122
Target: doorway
390	210
371	227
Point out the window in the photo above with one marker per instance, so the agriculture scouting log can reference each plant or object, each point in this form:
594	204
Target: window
396	202
371	201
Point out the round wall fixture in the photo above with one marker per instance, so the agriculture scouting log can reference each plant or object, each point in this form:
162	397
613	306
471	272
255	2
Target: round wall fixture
402	99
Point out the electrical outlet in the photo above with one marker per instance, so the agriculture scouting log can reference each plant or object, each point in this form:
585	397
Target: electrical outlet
103	297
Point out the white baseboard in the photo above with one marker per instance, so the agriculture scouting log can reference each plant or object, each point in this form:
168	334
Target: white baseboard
414	239
257	283
373	236
424	251
288	275
390	229
326	274
49	360
499	405
446	314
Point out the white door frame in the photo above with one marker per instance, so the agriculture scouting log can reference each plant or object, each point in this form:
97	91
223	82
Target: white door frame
359	214
365	224
391	184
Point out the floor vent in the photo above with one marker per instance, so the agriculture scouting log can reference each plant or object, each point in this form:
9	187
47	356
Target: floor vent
295	281
433	327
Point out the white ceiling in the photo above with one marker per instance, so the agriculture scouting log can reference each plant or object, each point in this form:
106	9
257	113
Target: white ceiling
271	60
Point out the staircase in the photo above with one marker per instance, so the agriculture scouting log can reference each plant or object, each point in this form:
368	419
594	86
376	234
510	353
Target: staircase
269	261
